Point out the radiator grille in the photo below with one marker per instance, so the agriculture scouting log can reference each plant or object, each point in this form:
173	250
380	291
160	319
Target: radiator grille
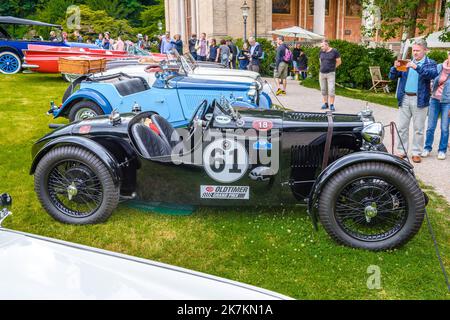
312	156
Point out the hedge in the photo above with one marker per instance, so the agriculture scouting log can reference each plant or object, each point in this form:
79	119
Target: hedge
438	55
356	60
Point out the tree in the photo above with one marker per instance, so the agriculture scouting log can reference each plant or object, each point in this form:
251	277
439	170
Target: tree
96	21
150	18
120	9
399	17
17	8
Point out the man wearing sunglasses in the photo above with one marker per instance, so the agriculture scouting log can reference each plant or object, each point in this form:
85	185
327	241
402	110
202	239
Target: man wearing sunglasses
413	96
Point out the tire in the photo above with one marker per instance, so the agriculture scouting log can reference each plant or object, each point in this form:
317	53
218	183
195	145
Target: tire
83	110
84	170
10	62
401	199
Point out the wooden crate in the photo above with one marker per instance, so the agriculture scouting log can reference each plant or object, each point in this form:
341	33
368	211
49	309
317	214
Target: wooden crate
81	65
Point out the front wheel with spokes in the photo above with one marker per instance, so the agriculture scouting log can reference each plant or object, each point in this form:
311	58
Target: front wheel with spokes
75	187
375	206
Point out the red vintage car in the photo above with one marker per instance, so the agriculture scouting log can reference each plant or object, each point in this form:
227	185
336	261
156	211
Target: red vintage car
45	59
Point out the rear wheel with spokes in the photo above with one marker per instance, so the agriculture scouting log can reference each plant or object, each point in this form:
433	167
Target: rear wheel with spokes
75	187
374	206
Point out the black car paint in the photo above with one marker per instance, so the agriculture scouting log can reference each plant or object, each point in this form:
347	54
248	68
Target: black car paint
298	180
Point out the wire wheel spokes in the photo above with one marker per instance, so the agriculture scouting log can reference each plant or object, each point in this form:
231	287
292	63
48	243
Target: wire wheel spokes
75	189
371	209
8	63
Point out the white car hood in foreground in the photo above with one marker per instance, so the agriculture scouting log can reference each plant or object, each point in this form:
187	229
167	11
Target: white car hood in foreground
225	72
33	267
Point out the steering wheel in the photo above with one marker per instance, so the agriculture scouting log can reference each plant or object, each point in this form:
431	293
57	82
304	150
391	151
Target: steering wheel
199	113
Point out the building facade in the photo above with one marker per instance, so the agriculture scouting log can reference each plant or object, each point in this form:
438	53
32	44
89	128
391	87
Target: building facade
335	19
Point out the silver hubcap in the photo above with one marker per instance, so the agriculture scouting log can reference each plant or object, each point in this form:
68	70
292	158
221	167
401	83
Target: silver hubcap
72	191
85	113
371	211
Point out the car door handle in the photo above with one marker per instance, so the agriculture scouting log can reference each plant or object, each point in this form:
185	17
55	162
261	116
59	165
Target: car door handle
160	101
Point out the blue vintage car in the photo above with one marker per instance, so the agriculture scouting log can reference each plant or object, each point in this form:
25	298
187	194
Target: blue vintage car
11	55
174	96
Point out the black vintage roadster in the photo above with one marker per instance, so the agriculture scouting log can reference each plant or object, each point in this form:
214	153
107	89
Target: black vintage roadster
335	164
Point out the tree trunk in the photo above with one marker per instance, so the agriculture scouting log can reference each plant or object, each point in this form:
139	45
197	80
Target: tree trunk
410	28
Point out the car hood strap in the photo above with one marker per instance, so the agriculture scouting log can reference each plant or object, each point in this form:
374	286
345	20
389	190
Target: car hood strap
326	151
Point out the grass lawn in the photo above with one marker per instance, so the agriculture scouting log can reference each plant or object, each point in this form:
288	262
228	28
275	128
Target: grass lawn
275	249
380	98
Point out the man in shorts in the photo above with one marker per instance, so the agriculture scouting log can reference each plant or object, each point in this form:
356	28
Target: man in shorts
330	59
282	66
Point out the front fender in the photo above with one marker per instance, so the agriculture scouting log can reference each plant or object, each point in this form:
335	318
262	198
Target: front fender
264	101
84	94
103	154
344	162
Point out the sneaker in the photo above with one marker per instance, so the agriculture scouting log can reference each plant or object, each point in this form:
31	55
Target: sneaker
425	153
325	106
283	92
332	107
279	91
441	156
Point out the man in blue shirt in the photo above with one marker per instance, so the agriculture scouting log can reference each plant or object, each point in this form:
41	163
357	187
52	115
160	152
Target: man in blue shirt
413	96
166	44
99	41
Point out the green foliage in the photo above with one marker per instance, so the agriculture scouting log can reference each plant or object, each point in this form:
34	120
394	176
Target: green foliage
143	15
96	21
150	18
356	60
401	15
119	9
53	11
438	55
17	8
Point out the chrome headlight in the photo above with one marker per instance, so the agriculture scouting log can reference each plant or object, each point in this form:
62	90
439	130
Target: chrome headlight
373	133
252	92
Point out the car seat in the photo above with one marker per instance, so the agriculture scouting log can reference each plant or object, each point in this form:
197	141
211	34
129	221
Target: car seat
167	132
148	142
131	86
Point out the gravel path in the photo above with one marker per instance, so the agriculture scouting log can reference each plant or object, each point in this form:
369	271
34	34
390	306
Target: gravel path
431	171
